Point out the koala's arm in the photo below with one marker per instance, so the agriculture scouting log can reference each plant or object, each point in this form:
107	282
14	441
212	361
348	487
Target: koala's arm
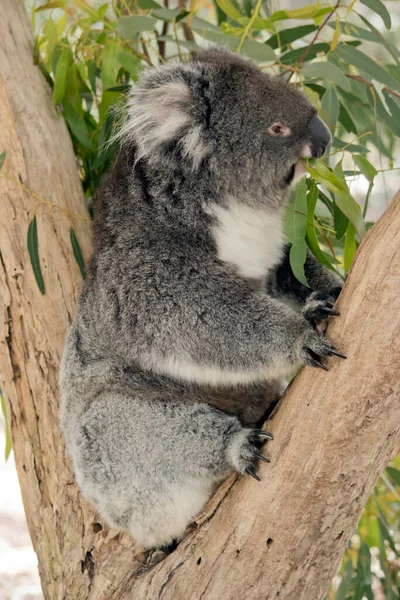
210	329
283	283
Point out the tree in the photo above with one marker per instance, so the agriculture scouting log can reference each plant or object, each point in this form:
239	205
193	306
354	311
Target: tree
335	431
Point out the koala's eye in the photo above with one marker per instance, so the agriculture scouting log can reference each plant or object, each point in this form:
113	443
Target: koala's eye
279	130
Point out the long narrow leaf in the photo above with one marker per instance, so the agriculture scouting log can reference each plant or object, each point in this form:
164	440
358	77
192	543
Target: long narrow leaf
77	252
33	249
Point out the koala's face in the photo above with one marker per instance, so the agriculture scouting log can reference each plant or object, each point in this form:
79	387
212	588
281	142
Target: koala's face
221	111
258	120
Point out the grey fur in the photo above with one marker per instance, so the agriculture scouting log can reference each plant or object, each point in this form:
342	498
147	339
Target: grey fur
174	356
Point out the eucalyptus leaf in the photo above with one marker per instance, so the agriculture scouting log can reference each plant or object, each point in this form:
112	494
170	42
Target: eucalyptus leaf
60	76
359	59
287	36
295	229
33	250
330	106
129	26
327	71
379	8
343	198
2	158
311	236
227	7
365	167
350	247
77	252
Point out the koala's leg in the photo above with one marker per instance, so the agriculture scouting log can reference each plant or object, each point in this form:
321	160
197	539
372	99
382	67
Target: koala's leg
149	462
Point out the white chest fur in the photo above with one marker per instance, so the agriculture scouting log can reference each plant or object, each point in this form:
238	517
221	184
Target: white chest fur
248	238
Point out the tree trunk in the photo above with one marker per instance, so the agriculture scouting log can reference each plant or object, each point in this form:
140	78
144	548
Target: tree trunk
334	432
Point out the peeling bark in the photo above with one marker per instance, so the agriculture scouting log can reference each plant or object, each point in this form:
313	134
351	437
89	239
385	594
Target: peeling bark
334	432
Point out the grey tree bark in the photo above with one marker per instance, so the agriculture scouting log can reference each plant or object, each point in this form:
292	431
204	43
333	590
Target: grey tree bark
334	432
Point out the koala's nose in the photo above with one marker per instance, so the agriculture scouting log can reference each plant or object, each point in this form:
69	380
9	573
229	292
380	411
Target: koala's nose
320	136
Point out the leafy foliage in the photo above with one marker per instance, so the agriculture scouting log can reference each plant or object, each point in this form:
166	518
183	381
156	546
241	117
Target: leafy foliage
90	52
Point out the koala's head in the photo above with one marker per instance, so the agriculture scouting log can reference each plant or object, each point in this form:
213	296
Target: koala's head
220	112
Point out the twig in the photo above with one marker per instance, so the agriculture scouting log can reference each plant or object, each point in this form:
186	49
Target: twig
164	31
322	25
249	24
187	31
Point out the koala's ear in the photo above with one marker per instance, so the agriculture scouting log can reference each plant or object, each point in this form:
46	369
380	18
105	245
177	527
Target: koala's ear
160	112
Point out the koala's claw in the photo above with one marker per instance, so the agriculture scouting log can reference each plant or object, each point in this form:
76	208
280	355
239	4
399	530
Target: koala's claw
251	471
313	361
259	456
336	353
263	435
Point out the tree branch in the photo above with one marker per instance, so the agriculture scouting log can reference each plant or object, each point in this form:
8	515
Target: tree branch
334	432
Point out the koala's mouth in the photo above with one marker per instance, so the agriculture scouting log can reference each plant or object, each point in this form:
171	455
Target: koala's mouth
297	170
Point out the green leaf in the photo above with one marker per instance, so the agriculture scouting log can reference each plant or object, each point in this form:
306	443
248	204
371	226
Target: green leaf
130	62
330	107
311	236
365	167
343	198
227	7
182	15
2	159
148	4
295	229
355	57
128	27
287	36
306	12
60	76
381	39
394	474
167	14
33	250
293	56
350	247
380	9
8	445
76	124
51	5
345	584
340	222
327	71
258	51
109	65
337	143
346	120
77	252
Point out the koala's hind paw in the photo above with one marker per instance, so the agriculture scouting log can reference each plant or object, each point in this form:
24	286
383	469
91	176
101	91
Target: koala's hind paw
243	452
319	307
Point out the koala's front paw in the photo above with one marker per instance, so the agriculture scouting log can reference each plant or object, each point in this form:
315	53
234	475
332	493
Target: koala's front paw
319	307
244	450
314	347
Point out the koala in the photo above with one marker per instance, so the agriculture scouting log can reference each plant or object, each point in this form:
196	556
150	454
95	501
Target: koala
190	316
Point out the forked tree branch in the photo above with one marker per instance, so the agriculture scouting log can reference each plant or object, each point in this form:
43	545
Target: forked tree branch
335	431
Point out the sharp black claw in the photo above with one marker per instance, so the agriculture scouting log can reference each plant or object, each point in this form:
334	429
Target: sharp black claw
336	353
330	311
259	456
316	363
260	433
251	471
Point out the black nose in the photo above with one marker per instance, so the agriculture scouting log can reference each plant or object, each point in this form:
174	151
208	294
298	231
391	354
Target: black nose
320	136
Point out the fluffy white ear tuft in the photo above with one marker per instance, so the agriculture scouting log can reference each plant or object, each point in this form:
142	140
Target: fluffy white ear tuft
159	112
